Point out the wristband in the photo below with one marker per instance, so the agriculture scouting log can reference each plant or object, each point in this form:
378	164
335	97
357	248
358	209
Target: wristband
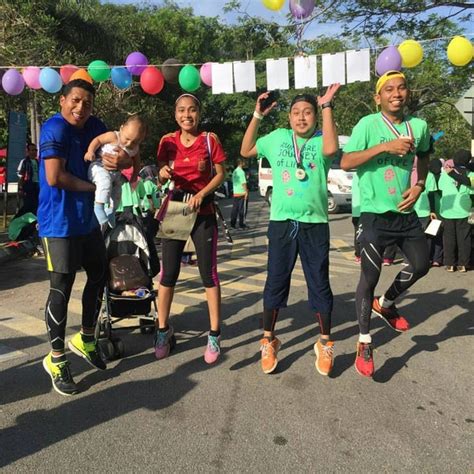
326	105
257	115
421	185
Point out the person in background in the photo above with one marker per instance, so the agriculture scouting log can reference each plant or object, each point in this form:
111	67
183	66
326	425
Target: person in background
241	195
28	180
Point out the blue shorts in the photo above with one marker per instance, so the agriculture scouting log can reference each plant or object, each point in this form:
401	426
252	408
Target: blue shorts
287	239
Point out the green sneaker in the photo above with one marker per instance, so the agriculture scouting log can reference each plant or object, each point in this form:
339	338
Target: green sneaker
89	351
61	376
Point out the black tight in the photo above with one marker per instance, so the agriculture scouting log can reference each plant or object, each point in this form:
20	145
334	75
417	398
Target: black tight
416	252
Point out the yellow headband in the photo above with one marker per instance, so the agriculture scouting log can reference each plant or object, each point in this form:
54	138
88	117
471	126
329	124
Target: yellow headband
386	77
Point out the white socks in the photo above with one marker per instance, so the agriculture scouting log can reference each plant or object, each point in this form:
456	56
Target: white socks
365	338
384	302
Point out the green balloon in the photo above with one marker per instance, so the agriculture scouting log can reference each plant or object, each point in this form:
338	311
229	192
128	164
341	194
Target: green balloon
99	70
189	78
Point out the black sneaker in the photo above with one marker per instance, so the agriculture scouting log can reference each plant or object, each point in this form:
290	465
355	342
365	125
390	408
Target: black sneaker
61	376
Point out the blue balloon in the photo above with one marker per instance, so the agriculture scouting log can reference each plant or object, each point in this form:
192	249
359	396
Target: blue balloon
50	80
121	77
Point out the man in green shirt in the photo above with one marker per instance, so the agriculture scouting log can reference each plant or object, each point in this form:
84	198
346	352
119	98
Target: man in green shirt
300	159
382	148
241	195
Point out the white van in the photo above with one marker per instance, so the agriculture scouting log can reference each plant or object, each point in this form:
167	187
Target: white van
339	182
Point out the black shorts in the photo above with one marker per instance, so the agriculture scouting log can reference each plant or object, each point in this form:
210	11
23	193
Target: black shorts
66	254
389	228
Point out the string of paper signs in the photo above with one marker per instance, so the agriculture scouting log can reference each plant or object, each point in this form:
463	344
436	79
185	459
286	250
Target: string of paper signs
236	76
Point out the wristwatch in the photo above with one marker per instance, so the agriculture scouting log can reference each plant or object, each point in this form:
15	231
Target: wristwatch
329	104
420	184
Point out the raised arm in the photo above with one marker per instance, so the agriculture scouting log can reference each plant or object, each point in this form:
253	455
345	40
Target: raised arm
330	142
97	142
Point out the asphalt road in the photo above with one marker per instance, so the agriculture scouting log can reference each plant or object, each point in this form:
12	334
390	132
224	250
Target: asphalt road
181	415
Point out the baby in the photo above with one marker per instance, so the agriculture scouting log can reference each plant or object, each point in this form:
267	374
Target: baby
108	183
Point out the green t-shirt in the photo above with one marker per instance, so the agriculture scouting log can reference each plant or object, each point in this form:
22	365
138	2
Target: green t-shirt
384	178
422	206
300	200
355	202
132	197
151	189
455	202
238	179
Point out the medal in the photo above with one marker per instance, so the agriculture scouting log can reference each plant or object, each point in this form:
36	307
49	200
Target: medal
300	174
391	127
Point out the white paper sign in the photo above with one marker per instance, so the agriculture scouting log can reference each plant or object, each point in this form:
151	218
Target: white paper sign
358	65
277	74
244	76
222	80
334	68
433	227
305	72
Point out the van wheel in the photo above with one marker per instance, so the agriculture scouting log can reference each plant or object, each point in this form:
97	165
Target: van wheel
333	208
268	196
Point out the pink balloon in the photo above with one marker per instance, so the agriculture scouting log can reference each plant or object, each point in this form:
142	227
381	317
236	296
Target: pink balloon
301	8
13	82
31	76
388	60
67	71
206	74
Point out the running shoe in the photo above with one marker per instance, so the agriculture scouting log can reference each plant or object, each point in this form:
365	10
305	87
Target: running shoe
89	351
364	363
450	268
391	316
387	262
324	356
213	349
269	354
164	343
462	269
61	376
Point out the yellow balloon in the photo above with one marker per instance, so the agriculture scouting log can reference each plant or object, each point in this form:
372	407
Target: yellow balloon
411	53
273	4
460	51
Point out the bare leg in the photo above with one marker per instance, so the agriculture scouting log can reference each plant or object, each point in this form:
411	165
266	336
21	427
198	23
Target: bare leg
214	304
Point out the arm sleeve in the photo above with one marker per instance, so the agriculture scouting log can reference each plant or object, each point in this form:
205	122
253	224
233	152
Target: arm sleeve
217	151
358	140
54	142
424	145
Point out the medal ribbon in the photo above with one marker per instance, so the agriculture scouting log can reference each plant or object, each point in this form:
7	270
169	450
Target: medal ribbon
297	151
394	130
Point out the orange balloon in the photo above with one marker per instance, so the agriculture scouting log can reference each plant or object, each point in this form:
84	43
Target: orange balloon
81	74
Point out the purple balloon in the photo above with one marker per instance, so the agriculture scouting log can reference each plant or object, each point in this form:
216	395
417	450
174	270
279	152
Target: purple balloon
301	8
136	63
13	82
388	60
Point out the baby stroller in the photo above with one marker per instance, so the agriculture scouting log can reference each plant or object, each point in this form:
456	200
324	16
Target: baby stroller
129	290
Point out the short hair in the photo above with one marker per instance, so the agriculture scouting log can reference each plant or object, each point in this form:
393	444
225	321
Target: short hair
240	161
81	83
304	98
140	120
462	157
31	144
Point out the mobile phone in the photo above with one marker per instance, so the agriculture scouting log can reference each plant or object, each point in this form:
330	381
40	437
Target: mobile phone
265	103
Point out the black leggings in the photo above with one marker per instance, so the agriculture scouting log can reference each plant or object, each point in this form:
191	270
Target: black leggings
60	292
417	254
204	236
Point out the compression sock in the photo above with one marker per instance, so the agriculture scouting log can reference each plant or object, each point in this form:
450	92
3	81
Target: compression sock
57	359
87	337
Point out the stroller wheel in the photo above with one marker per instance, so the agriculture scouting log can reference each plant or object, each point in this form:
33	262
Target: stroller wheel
146	327
119	348
108	349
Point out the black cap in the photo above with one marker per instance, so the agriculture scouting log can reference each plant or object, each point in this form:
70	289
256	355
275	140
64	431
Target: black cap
304	98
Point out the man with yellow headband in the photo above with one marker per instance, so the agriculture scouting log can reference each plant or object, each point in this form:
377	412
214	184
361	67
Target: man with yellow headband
382	147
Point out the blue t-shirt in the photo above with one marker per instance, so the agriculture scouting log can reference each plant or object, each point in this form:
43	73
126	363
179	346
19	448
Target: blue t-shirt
64	213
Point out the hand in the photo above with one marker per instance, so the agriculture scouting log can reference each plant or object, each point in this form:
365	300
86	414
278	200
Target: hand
258	107
89	156
195	202
329	95
400	146
410	196
117	161
433	216
165	173
448	169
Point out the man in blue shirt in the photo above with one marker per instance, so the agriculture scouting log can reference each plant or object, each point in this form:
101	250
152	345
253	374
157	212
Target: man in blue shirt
69	230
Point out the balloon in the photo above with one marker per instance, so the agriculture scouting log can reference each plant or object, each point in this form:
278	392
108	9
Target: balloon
170	70
273	4
50	80
81	74
99	70
13	82
389	60
136	63
189	78
411	53
121	77
206	74
67	71
301	8
459	51
31	77
152	80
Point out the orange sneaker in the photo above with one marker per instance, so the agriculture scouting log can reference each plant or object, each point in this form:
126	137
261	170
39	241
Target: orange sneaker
324	356
391	316
269	354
